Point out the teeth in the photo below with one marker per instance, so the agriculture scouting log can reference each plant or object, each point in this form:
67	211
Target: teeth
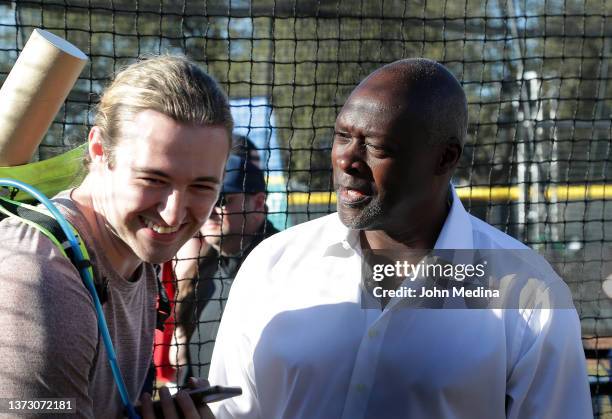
354	193
160	229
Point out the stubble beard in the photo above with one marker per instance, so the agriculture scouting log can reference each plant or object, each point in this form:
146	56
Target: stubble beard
369	218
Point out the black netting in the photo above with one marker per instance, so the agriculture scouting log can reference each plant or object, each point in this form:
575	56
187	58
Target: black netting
537	163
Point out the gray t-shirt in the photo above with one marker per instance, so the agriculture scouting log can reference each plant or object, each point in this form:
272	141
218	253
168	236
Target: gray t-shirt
50	346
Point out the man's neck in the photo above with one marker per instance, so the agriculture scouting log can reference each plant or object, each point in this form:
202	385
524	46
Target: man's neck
422	233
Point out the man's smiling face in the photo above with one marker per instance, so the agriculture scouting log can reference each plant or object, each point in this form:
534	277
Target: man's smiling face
163	184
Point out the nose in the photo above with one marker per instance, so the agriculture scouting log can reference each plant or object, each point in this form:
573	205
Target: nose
348	156
173	209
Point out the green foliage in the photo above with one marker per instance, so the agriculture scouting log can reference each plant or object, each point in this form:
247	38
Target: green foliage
306	57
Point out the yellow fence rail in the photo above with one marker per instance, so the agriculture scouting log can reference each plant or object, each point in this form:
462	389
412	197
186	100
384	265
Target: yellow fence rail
554	193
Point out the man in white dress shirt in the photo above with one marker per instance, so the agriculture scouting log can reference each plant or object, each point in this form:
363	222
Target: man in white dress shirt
296	336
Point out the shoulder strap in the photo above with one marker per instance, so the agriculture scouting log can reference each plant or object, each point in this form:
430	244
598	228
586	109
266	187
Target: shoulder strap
85	272
47	225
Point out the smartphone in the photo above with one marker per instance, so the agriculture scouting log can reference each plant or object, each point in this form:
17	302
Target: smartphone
199	396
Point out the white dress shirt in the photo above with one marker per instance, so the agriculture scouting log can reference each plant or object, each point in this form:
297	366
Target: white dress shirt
295	337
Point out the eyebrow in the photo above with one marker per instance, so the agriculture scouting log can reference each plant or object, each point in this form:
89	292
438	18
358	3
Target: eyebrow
366	132
159	173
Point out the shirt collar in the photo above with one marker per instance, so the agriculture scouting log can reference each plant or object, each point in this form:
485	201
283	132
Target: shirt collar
337	238
456	232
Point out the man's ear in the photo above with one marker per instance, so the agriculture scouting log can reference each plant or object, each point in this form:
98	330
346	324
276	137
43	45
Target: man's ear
449	155
94	146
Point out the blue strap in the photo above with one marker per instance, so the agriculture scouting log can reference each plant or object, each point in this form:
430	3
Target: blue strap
89	283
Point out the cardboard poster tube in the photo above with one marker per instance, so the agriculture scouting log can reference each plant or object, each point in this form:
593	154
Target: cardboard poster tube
33	93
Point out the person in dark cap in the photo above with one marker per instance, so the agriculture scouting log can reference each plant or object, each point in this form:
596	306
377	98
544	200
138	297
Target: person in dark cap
243	146
206	266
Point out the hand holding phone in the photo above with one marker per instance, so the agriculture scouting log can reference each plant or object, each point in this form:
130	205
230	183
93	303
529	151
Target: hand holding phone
200	397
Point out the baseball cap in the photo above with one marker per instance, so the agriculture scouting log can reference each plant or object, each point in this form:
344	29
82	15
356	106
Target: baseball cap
242	176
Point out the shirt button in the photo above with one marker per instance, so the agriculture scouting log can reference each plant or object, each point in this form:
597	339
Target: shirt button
372	333
346	245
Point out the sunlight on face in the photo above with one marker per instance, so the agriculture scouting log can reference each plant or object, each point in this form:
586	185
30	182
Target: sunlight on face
163	185
382	168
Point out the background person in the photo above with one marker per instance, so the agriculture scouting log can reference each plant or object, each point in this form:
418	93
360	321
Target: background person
242	146
156	153
298	340
206	266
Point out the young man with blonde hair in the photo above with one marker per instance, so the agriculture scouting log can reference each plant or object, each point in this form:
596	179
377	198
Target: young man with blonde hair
156	157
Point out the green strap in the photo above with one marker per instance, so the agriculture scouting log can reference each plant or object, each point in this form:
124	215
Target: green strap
39	227
49	176
46	224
